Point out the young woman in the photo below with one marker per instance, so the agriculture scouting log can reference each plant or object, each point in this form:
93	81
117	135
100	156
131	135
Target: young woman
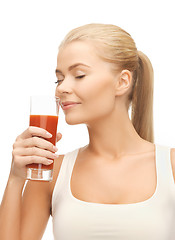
121	185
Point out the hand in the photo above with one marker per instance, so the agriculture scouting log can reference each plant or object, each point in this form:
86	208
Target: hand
32	147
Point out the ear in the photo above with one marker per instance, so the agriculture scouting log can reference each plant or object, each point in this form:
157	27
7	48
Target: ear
123	82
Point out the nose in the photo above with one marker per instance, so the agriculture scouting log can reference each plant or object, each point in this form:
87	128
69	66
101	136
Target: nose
64	87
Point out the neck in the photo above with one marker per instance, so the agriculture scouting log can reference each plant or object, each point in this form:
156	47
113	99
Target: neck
113	136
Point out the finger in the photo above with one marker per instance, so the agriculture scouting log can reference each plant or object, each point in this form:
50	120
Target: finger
36	142
22	161
34	151
35	131
59	136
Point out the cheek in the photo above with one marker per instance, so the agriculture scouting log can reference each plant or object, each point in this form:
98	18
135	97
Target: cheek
101	89
99	99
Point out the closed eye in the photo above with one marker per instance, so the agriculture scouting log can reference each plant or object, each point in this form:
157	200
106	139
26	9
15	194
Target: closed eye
58	81
81	76
78	77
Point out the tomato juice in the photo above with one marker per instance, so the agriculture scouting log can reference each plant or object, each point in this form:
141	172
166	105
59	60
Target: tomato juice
49	123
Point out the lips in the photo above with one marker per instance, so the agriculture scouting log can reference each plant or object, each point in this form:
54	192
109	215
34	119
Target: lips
68	104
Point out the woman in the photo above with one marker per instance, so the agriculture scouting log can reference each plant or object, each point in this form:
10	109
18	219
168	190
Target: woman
120	186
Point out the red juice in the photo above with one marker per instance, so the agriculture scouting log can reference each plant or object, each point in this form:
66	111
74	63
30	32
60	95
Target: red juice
49	123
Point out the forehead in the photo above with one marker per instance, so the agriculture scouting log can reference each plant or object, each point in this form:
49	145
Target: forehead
78	51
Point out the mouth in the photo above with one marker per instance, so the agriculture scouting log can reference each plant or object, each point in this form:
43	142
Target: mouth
67	105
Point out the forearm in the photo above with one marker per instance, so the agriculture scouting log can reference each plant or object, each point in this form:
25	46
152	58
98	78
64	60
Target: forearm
10	209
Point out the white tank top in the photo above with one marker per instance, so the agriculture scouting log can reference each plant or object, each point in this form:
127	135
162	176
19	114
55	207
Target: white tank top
152	219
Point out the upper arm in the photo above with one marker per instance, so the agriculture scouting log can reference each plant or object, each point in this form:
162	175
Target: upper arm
173	161
36	205
35	210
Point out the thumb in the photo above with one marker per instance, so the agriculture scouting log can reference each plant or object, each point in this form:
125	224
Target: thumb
59	136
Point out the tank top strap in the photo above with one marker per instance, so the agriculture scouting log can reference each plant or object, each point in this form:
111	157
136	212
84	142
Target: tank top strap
164	166
64	174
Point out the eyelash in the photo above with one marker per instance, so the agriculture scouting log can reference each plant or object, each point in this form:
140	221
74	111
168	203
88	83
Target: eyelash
78	77
81	76
58	81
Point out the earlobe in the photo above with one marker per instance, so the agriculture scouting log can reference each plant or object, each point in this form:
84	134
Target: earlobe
123	82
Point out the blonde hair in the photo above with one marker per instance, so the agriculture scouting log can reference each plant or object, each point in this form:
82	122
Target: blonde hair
116	46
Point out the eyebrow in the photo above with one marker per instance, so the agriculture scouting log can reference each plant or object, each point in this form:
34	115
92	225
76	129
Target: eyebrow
72	67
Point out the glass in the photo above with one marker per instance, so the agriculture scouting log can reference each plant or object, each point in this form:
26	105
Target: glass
44	114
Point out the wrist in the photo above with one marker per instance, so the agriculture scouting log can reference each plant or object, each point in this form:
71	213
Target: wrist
18	181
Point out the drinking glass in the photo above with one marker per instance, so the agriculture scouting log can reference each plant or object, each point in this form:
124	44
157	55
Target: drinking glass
44	114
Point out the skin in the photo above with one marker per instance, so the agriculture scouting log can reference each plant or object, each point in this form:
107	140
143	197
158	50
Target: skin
122	165
102	95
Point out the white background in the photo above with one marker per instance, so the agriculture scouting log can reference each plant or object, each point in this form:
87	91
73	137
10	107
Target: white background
30	32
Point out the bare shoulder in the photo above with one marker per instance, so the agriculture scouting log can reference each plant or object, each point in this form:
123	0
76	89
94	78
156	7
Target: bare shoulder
172	155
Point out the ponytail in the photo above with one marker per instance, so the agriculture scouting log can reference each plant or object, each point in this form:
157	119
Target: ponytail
142	100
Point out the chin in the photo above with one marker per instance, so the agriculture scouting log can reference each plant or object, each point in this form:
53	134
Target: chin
73	121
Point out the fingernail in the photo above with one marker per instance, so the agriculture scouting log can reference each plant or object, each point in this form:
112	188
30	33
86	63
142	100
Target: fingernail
49	161
55	148
49	134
